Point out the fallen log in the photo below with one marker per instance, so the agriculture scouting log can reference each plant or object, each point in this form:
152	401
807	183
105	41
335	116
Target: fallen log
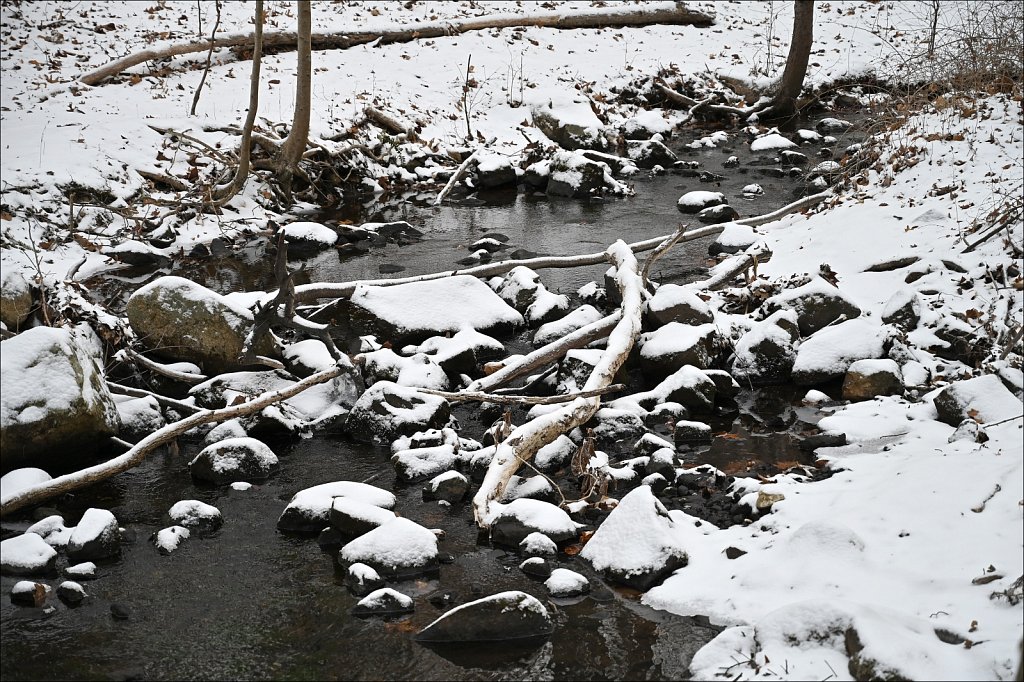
672	13
100	472
498	399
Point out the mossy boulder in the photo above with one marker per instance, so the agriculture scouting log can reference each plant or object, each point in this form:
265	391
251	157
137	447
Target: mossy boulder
15	299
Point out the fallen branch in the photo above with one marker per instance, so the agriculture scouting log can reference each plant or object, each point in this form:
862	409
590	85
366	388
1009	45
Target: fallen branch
388	123
675	13
163	400
723	273
456	176
474	396
798	205
524	441
81	479
164	370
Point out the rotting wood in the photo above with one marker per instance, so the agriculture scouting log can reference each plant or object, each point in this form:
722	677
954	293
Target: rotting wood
100	472
672	13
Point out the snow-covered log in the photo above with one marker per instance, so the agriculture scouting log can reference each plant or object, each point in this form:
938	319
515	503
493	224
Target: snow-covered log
524	441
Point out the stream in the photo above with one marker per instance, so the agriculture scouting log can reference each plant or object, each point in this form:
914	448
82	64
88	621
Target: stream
248	602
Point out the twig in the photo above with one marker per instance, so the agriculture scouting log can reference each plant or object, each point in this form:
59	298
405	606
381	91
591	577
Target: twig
209	59
164	370
475	396
163	400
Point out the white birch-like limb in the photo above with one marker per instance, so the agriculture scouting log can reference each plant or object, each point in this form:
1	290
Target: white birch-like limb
100	472
459	172
501	399
524	441
164	370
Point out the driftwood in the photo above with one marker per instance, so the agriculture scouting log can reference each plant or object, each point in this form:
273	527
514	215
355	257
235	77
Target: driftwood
473	396
524	441
456	176
723	273
139	451
676	13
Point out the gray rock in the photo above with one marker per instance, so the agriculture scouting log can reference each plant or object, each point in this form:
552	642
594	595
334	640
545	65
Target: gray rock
536	567
361	579
495	172
71	593
501	617
565	584
650	153
450	487
398	549
675	303
903	309
309	510
234	459
817	304
521	517
697	201
181	320
386	411
713	215
866	379
96	537
26	554
196	515
569	135
576	177
56	404
353	518
675	345
15	298
692	432
384	602
764	356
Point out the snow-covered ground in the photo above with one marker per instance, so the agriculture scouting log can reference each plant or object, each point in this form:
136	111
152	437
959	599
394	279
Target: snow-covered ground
894	560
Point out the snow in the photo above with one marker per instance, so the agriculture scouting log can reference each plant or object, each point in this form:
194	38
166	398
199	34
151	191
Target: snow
398	543
310	232
311	353
362	511
701	199
671	295
95	524
987	397
538	544
82	571
581	317
318	500
27	553
543	516
832	350
565	582
554	453
673	338
771	141
20	479
385	597
193	513
513	599
419	462
168	539
53	530
871	367
228	454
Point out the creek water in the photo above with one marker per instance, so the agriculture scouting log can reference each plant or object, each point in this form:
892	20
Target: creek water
248	602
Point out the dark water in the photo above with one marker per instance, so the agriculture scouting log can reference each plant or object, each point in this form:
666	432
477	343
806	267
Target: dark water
248	602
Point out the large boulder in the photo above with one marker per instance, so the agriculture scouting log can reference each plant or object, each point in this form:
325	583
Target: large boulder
494	171
637	559
866	379
765	354
517	519
650	153
575	176
95	537
234	459
830	352
309	510
417	310
500	617
984	399
571	124
181	320
817	305
15	298
26	554
386	411
674	345
54	401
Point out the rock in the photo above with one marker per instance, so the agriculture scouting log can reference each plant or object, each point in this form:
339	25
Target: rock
450	487
304	236
770	141
353	517
969	430
536	567
713	215
615	426
547	307
384	602
26	554
662	461
765	355
196	515
830	352
120	612
418	310
570	124
519	287
674	345
581	317
83	571
54	402
538	545
232	428
21	479
71	593
637	545
169	539
554	454
537	174
866	379
15	298
817	305
827	126
387	410
308	357
139	416
903	309
577	177
675	303
52	530
234	459
504	616
28	593
517	519
650	153
695	202
733	239
687	387
576	367
96	537
309	510
726	388
362	580
181	320
692	432
792	158
400	549
565	584
983	399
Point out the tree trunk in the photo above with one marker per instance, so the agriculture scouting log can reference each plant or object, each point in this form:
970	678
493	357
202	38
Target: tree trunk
784	102
295	144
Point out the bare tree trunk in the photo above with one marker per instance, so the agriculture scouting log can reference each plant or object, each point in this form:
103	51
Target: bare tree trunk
784	102
294	146
224	193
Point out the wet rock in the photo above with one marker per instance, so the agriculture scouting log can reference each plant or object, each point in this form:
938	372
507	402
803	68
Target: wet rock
52	530
817	305
361	579
421	462
674	345
565	584
55	402
866	379
538	545
309	510
169	539
26	554
903	309
529	487
577	177
536	567
615	426
984	399
697	201
521	517
28	593
96	537
400	548
384	602
662	462
504	616
765	355
306	236
675	303
181	320
554	454
387	410
234	459
726	388
353	517
692	432
638	560
687	388
571	127
71	593
792	158
120	612
450	487
650	443
83	571
650	153
537	174
494	171
198	516
520	287
822	440
15	298
828	126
